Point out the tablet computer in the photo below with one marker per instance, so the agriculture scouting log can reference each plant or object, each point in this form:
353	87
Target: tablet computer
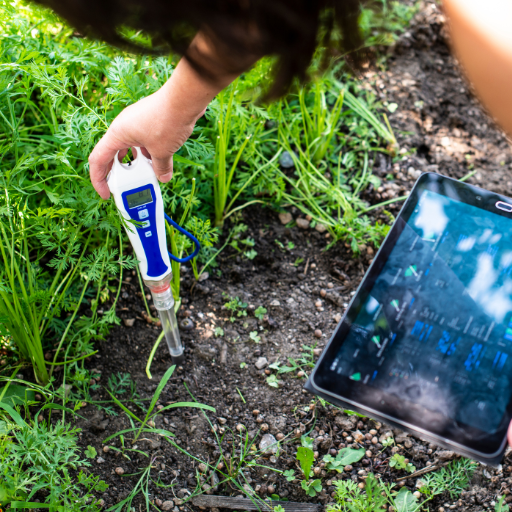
426	342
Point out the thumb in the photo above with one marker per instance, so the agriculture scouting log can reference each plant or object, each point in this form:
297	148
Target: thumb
163	168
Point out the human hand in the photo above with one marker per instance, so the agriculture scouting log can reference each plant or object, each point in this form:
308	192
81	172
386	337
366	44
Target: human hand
155	125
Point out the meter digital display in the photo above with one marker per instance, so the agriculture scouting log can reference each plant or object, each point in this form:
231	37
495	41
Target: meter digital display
139	198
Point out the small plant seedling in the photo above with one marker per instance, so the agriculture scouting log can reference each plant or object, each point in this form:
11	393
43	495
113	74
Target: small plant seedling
260	312
254	336
279	244
350	498
218	331
306	441
345	457
399	462
236	306
91	452
290	246
306	458
389	441
313	487
289	474
250	255
243	365
279	508
298	261
501	507
272	381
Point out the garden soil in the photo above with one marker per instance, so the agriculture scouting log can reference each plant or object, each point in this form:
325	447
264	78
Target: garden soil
441	128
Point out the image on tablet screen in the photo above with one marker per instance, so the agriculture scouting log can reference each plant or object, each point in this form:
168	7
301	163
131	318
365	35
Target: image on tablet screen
437	324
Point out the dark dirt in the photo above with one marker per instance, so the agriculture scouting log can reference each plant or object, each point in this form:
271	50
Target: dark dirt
441	128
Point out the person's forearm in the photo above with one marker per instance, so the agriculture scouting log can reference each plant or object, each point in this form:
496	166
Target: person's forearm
189	93
482	39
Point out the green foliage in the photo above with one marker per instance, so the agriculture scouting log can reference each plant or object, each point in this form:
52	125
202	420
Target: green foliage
306	459
313	487
501	506
272	381
350	498
453	478
344	457
236	306
260	312
91	452
41	459
398	461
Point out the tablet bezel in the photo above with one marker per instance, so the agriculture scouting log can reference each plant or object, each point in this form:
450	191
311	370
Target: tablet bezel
480	444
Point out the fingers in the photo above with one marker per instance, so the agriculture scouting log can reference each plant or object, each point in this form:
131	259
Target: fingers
163	168
509	434
100	163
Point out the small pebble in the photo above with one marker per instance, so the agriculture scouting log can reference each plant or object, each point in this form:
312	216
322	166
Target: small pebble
285	218
300	374
348	468
302	223
316	455
361	485
37	396
374	440
373	432
286	160
318	333
240	427
106	449
317	471
186	324
100	460
317	352
330	285
40	418
120	471
264	427
128	322
323	293
167	505
318	304
158	502
151	423
202	467
101	503
417	494
159	407
256	412
271	489
280	436
222	421
369	453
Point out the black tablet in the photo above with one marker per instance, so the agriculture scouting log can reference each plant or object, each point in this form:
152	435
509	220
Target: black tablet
426	343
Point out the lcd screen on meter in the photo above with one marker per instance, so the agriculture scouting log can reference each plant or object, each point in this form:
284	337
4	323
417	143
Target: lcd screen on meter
139	198
433	325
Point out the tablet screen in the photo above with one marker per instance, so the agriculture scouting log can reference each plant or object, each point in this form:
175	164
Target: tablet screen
436	325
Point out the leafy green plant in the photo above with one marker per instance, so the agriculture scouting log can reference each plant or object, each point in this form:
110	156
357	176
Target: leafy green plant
350	498
150	414
236	306
344	457
400	462
39	459
260	312
453	478
91	452
501	506
272	381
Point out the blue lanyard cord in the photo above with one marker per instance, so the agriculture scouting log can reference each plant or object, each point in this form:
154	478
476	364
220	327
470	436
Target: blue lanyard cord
188	235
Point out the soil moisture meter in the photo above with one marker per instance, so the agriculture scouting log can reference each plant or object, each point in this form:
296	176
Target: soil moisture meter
137	194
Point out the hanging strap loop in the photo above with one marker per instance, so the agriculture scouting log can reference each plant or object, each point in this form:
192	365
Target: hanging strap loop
188	235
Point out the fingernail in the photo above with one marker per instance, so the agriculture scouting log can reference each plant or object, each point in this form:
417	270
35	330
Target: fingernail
164	178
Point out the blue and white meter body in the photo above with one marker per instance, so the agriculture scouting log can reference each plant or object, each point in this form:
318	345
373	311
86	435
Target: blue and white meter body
136	192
